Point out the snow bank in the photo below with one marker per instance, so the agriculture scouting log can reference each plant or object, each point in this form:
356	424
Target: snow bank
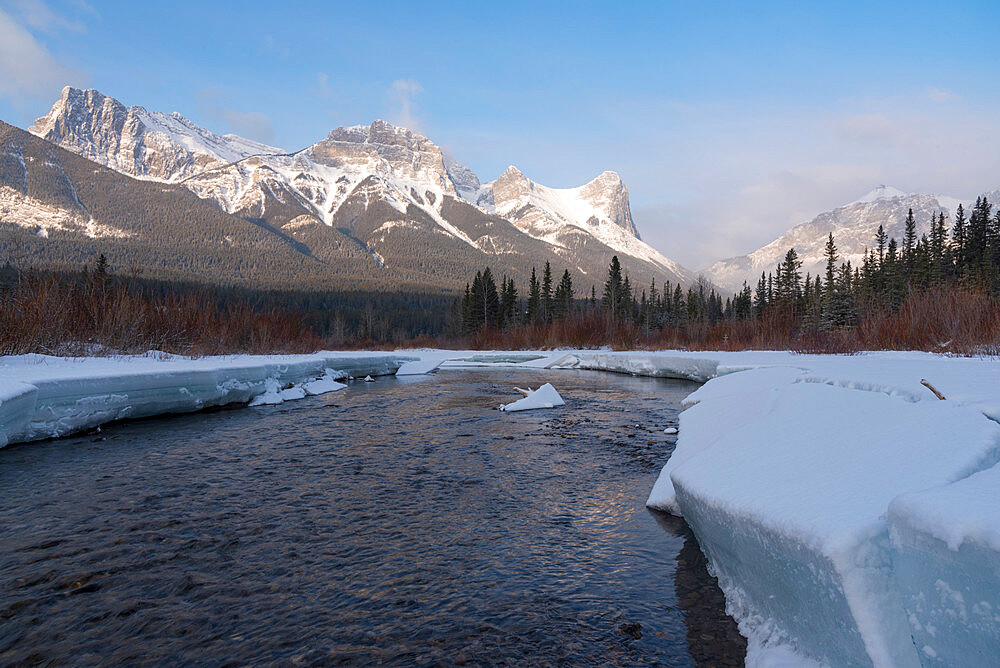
946	553
45	397
715	410
640	364
545	396
786	467
788	506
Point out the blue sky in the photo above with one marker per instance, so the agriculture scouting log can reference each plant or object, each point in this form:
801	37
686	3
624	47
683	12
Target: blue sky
729	122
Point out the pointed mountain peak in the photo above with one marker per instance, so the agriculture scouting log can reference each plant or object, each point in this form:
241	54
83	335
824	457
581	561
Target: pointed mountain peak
608	177
881	192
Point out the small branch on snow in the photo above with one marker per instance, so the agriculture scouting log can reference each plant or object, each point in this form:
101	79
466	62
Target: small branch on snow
932	389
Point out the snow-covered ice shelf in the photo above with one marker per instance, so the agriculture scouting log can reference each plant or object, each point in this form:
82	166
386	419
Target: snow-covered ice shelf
45	397
946	555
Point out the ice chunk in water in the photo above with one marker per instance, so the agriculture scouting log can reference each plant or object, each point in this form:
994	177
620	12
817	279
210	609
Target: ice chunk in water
544	397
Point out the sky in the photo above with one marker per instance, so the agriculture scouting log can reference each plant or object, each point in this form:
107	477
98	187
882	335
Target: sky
729	122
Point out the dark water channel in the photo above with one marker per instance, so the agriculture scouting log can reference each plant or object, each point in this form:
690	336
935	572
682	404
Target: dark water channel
404	521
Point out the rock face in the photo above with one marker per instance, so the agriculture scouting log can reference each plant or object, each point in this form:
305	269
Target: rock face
853	226
131	140
599	209
391	191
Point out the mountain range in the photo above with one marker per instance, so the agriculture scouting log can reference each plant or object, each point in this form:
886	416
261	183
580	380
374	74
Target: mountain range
853	226
372	206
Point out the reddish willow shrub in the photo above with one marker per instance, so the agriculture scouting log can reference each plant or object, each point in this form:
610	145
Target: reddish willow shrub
956	319
56	316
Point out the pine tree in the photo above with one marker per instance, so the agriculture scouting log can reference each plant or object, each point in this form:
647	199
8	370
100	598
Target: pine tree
894	284
613	288
830	286
679	308
909	244
547	293
788	286
626	302
938	248
564	296
958	235
534	299
880	241
760	296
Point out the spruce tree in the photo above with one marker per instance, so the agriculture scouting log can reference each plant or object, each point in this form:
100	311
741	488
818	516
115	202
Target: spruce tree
613	288
958	241
534	299
909	243
547	293
564	296
830	286
760	296
880	241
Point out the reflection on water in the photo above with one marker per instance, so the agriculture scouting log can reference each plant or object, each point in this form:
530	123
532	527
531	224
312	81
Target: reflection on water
403	521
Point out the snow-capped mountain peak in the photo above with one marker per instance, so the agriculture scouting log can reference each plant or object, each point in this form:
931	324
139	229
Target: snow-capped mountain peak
881	192
360	167
853	226
137	142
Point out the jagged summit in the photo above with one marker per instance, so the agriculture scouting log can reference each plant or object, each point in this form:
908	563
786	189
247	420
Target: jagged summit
370	181
137	142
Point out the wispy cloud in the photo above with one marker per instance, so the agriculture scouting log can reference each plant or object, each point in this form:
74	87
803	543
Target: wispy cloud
942	95
37	15
252	124
28	70
322	87
403	93
869	129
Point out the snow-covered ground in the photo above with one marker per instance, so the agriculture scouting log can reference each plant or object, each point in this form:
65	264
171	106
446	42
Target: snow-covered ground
849	514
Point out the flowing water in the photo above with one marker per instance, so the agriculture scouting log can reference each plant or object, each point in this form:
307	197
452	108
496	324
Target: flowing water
404	521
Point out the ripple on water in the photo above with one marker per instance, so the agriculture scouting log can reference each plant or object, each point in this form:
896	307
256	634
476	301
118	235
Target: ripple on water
402	521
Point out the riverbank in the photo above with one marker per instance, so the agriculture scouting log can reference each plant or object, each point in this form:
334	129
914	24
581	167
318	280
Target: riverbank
786	467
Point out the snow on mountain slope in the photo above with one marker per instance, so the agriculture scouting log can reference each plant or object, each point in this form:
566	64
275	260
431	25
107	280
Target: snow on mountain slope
599	208
137	142
853	226
376	163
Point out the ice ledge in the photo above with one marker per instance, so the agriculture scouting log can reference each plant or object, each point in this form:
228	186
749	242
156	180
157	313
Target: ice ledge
640	364
46	397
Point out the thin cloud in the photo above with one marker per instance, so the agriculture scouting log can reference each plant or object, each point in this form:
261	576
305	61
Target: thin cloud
37	15
322	87
404	93
28	70
869	129
252	124
941	95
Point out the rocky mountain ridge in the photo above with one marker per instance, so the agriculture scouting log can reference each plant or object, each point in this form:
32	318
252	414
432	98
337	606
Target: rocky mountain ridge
407	175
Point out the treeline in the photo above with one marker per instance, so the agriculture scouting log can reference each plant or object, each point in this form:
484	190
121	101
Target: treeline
485	307
936	292
97	311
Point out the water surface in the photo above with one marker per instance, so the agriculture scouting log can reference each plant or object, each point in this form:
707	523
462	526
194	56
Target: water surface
403	521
